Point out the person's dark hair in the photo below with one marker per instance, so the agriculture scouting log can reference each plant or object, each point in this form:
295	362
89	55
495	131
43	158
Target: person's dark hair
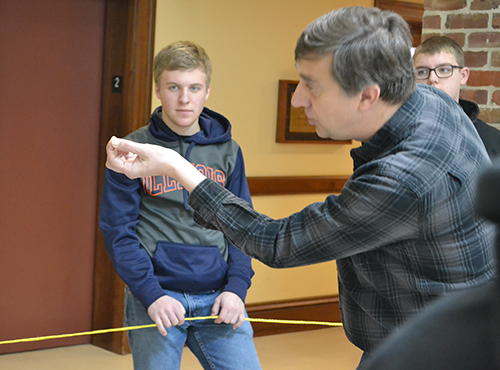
369	47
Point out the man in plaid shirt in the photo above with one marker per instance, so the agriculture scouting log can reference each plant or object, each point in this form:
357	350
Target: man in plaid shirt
403	230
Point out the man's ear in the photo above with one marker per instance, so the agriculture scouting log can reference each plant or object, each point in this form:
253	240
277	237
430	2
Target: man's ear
369	96
157	91
207	94
464	75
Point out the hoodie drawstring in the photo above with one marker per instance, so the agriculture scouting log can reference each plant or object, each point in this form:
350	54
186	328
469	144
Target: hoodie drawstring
188	153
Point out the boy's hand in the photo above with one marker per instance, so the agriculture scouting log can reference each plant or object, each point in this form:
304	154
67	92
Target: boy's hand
230	308
166	312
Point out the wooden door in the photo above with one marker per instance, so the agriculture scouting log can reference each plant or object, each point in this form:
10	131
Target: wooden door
50	99
59	62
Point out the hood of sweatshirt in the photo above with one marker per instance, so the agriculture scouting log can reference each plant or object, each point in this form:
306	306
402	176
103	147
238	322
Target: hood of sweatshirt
470	108
214	128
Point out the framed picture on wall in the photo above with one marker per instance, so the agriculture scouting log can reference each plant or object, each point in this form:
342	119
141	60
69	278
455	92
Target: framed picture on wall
292	125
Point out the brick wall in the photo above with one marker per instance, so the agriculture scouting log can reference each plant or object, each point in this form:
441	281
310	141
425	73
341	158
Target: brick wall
475	26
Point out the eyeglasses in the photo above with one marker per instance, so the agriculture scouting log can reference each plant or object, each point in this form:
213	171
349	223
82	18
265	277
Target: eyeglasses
445	71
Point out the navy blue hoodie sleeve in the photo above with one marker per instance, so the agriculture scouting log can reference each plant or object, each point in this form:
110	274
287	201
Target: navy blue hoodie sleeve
240	271
118	220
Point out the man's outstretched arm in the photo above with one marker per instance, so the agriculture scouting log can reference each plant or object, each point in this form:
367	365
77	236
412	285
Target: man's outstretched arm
139	160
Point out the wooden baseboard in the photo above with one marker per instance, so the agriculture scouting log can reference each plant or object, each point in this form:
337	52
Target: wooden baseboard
286	185
325	308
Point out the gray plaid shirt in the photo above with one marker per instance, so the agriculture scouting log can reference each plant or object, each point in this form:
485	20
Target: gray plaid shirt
403	230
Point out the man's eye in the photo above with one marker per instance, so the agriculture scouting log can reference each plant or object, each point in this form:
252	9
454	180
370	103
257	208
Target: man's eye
173	88
444	69
422	71
195	88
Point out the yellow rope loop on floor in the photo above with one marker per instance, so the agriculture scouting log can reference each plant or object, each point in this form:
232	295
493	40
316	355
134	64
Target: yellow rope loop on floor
126	328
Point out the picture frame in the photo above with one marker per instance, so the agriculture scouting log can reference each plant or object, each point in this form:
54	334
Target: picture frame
292	125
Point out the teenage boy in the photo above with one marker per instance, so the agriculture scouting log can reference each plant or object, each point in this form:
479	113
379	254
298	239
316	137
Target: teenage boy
172	267
440	62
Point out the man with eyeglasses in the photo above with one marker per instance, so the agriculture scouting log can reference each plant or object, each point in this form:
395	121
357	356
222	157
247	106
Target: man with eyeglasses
439	62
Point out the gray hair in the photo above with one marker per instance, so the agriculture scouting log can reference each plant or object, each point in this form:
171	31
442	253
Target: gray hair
369	47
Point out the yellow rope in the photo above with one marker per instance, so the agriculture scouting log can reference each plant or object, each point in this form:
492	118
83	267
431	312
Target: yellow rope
296	322
104	331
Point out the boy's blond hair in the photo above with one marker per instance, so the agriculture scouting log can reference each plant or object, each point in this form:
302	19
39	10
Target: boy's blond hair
182	55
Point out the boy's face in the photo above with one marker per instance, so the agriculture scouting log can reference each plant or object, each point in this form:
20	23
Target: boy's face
450	85
183	94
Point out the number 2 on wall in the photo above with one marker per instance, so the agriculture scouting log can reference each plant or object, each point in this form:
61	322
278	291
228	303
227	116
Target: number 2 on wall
117	84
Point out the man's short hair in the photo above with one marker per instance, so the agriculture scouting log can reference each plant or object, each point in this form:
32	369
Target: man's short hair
438	44
182	55
369	47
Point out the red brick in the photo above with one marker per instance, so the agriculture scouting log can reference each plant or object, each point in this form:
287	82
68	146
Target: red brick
484	78
478	96
484	4
496	97
432	22
484	40
490	115
444	4
495	59
467	21
459	38
495	23
494	116
426	36
478	59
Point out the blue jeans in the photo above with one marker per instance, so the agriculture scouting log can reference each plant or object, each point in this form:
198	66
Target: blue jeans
217	346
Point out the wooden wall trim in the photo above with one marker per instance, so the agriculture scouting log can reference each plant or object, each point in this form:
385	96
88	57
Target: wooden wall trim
128	52
411	12
141	50
324	308
285	185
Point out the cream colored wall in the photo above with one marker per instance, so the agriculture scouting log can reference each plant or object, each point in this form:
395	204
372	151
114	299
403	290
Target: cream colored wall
298	282
251	44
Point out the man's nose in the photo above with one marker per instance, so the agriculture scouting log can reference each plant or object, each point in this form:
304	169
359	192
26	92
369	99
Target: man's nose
299	99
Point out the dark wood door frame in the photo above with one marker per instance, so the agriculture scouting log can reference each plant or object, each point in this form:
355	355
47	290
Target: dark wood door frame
412	13
126	105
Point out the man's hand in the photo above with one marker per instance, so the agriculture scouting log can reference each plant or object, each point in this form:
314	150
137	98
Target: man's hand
230	308
166	312
139	160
